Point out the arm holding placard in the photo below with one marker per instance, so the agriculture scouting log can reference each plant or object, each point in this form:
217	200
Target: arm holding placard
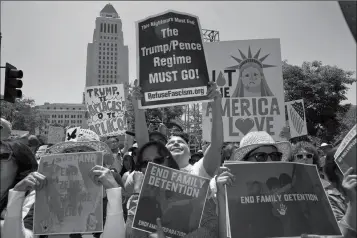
211	160
141	130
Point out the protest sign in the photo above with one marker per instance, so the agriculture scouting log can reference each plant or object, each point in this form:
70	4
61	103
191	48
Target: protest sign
297	119
171	62
72	133
249	75
106	107
55	134
178	198
282	200
70	202
345	155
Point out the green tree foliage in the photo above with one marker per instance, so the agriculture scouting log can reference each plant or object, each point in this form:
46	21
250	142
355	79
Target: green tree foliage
22	114
323	88
162	115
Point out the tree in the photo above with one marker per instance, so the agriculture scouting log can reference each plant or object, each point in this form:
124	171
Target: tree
22	114
323	88
155	115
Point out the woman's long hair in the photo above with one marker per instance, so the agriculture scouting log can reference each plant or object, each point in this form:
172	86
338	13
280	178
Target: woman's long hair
264	87
132	165
331	169
26	164
161	150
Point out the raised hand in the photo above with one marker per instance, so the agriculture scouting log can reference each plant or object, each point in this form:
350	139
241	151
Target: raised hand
103	176
138	178
350	183
159	231
213	91
32	181
224	177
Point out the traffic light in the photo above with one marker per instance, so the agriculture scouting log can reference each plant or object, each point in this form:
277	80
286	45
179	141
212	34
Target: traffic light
12	83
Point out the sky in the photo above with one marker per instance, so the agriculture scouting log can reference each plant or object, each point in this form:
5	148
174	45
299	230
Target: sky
48	40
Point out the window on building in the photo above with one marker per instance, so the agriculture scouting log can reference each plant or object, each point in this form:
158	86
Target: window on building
115	67
116	53
98	71
99	66
107	58
98	75
101	37
107	78
112	28
107	62
100	57
115	44
108	48
112	53
100	43
100	47
100	62
107	71
116	38
111	48
112	58
101	27
48	108
115	81
116	28
111	67
100	52
115	72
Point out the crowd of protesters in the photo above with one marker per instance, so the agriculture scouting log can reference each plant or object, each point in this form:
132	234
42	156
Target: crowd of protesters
123	171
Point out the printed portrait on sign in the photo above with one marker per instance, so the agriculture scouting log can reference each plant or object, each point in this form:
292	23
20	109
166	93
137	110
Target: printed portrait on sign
251	81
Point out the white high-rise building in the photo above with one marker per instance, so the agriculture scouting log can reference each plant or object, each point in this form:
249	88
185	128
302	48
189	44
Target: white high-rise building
107	56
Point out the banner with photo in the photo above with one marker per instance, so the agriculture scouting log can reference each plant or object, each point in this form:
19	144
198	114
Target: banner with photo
171	63
297	118
106	108
70	203
345	155
283	200
178	198
55	134
249	75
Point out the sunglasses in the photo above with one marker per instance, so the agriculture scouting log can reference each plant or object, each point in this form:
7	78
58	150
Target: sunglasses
263	157
157	160
301	156
5	156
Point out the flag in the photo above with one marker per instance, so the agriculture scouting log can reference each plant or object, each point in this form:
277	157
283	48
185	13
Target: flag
297	116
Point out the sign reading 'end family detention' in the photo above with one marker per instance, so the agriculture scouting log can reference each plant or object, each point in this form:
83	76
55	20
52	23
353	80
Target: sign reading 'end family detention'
171	61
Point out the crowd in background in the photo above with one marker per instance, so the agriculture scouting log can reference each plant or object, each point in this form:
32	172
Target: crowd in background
124	166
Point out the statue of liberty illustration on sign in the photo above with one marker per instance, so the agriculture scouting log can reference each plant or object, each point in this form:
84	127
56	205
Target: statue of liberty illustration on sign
251	81
249	75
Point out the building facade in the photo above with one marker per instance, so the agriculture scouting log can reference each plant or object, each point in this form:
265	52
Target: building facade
62	114
107	56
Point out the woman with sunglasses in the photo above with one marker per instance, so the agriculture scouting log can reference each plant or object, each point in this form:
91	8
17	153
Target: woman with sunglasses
256	146
17	163
157	152
305	153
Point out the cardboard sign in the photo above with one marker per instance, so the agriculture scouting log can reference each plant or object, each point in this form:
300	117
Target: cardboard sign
55	135
70	203
249	75
345	155
176	197
283	200
106	107
171	62
297	118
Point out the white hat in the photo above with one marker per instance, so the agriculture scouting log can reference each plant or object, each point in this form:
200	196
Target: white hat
324	144
256	139
85	138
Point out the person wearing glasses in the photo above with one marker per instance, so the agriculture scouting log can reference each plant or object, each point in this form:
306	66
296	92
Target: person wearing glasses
157	152
257	146
305	153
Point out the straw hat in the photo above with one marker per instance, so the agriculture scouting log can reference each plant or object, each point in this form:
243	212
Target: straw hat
86	139
256	139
